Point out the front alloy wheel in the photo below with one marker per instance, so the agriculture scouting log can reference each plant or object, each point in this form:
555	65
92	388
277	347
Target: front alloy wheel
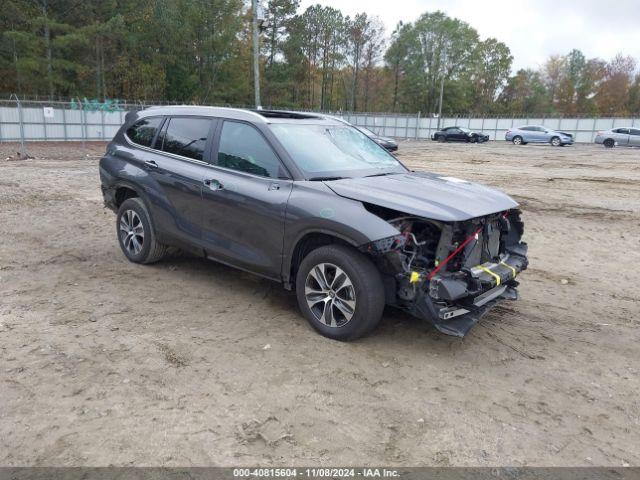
340	291
330	295
555	141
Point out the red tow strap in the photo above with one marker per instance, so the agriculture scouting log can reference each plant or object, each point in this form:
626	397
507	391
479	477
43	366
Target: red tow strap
453	254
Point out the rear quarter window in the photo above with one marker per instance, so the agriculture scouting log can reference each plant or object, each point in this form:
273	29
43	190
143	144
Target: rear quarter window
144	131
185	136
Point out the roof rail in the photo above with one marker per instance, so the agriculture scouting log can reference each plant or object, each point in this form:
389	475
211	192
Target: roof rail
237	113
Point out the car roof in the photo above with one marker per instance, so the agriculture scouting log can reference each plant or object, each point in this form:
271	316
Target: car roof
250	115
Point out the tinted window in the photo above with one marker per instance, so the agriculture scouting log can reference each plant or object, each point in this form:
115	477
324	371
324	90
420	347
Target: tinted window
634	131
624	131
185	136
527	129
243	148
143	131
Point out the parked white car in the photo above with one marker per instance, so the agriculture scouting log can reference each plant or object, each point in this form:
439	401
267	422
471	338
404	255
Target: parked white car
619	136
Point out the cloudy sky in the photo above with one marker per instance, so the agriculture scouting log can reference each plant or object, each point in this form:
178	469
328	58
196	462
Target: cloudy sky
532	29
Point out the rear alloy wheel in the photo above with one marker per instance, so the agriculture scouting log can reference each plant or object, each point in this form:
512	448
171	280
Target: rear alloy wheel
556	142
517	140
609	143
131	232
340	292
136	235
441	138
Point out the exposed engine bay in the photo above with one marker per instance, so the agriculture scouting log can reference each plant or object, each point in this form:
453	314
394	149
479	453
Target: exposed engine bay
450	273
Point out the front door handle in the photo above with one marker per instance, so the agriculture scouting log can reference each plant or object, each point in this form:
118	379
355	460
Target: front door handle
151	164
213	184
274	186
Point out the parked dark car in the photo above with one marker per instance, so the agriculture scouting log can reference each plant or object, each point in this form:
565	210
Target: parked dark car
387	143
459	134
313	203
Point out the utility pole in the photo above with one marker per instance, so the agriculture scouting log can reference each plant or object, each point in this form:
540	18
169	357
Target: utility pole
442	89
256	53
440	103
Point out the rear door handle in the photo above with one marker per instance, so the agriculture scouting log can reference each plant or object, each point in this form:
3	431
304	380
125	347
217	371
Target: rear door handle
151	164
213	184
274	186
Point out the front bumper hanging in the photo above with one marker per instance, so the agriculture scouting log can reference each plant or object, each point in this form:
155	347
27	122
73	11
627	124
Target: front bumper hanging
454	301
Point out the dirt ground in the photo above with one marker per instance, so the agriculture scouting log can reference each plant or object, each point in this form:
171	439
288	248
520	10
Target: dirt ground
187	362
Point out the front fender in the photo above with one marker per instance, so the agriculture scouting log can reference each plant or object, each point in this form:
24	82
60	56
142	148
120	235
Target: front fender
315	208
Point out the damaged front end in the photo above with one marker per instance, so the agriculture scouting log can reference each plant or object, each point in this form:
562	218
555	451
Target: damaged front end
450	273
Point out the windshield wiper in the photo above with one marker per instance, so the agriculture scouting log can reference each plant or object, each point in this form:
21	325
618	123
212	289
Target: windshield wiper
381	174
323	179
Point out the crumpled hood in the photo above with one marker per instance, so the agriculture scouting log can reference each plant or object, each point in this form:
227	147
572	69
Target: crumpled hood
428	195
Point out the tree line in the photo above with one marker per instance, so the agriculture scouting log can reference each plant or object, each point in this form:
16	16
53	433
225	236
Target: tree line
200	51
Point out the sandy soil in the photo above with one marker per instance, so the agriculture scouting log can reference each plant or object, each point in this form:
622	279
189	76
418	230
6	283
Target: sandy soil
103	362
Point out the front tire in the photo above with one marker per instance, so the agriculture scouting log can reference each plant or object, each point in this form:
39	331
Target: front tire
556	142
340	292
136	235
517	140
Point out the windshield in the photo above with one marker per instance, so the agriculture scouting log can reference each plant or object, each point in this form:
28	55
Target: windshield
465	130
324	151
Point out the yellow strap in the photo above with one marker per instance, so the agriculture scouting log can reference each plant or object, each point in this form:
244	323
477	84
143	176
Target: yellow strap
511	268
494	275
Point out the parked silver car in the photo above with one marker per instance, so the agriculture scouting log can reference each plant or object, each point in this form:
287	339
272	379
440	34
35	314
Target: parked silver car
538	134
619	136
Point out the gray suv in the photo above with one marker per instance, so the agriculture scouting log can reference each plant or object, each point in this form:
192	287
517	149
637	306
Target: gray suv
313	203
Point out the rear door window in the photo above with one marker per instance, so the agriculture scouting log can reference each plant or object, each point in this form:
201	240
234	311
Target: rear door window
144	131
244	149
185	136
634	131
623	131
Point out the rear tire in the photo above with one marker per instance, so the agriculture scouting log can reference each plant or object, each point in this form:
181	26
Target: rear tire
136	235
517	140
340	292
441	138
609	143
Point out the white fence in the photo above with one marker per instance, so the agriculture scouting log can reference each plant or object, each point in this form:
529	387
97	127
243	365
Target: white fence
80	121
404	126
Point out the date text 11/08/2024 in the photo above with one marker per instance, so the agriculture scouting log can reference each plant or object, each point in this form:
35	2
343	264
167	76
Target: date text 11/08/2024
315	472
